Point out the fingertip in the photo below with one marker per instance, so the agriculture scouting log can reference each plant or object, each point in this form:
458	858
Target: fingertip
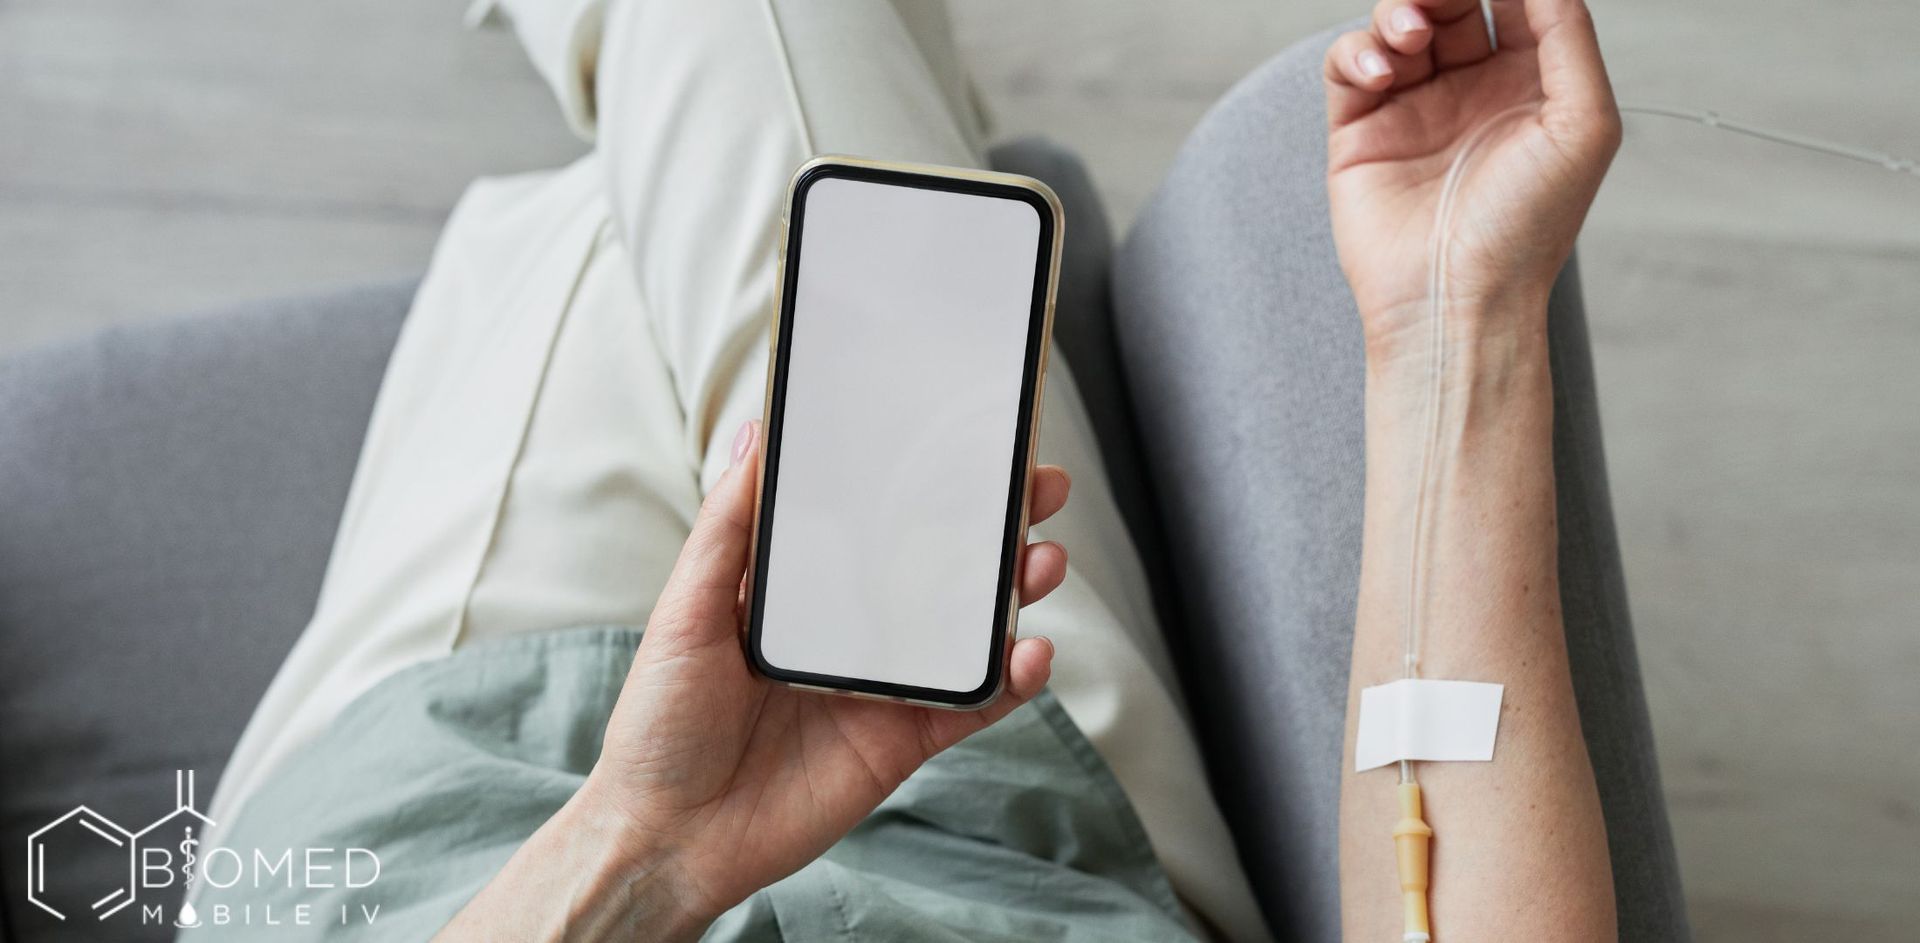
1402	26
1050	489
1371	69
1339	63
1044	645
1056	480
743	459
1032	666
744	443
1057	556
1043	570
1350	95
1060	472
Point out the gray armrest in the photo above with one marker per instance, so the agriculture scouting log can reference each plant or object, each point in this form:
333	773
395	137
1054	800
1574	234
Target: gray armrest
168	497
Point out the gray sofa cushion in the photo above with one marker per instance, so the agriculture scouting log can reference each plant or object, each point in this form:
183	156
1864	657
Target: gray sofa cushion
168	497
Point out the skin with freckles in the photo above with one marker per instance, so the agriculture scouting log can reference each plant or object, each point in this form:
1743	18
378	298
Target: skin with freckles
714	782
1519	850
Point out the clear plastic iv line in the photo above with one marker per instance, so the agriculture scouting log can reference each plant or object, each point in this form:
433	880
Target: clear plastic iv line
1412	835
1441	240
1713	119
1438	243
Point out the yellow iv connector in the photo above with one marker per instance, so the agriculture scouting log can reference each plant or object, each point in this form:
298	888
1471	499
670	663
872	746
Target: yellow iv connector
1412	845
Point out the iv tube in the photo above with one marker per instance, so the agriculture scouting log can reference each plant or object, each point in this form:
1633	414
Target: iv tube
1412	835
1436	314
1438	244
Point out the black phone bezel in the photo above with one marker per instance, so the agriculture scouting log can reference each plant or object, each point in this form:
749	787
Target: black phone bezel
1012	532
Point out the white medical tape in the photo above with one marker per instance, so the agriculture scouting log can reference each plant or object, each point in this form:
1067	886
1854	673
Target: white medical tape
1418	719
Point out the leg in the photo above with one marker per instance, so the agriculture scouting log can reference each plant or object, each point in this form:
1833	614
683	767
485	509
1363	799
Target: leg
1232	309
808	77
524	406
705	110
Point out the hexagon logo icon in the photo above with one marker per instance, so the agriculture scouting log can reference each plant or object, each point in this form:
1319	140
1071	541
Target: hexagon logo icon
58	881
63	873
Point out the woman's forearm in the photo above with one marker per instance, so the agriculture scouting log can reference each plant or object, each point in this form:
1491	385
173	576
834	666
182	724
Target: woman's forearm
1519	849
581	877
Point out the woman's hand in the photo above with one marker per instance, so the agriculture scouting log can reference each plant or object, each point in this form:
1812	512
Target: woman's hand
714	782
721	782
1403	96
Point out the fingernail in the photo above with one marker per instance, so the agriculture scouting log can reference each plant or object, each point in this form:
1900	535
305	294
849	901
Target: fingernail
742	442
1407	20
1372	64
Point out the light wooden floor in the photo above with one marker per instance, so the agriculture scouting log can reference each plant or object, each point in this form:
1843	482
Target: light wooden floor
1756	315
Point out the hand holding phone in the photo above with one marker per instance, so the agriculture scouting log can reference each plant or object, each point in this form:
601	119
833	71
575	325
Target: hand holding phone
713	782
908	364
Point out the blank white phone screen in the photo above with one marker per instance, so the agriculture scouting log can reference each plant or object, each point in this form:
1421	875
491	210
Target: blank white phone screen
910	325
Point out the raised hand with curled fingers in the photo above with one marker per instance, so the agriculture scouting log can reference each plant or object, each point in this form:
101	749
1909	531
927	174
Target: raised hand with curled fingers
1405	94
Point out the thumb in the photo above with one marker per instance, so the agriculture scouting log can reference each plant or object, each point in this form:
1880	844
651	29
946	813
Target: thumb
700	602
1572	74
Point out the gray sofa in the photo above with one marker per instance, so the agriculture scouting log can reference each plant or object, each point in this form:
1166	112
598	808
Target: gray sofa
169	492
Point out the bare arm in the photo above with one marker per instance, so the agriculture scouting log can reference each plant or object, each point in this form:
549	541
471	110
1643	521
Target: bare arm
1520	846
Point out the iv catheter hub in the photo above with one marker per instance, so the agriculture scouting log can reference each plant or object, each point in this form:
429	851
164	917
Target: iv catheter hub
1412	844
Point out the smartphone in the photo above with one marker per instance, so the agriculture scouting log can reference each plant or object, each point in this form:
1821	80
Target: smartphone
914	309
